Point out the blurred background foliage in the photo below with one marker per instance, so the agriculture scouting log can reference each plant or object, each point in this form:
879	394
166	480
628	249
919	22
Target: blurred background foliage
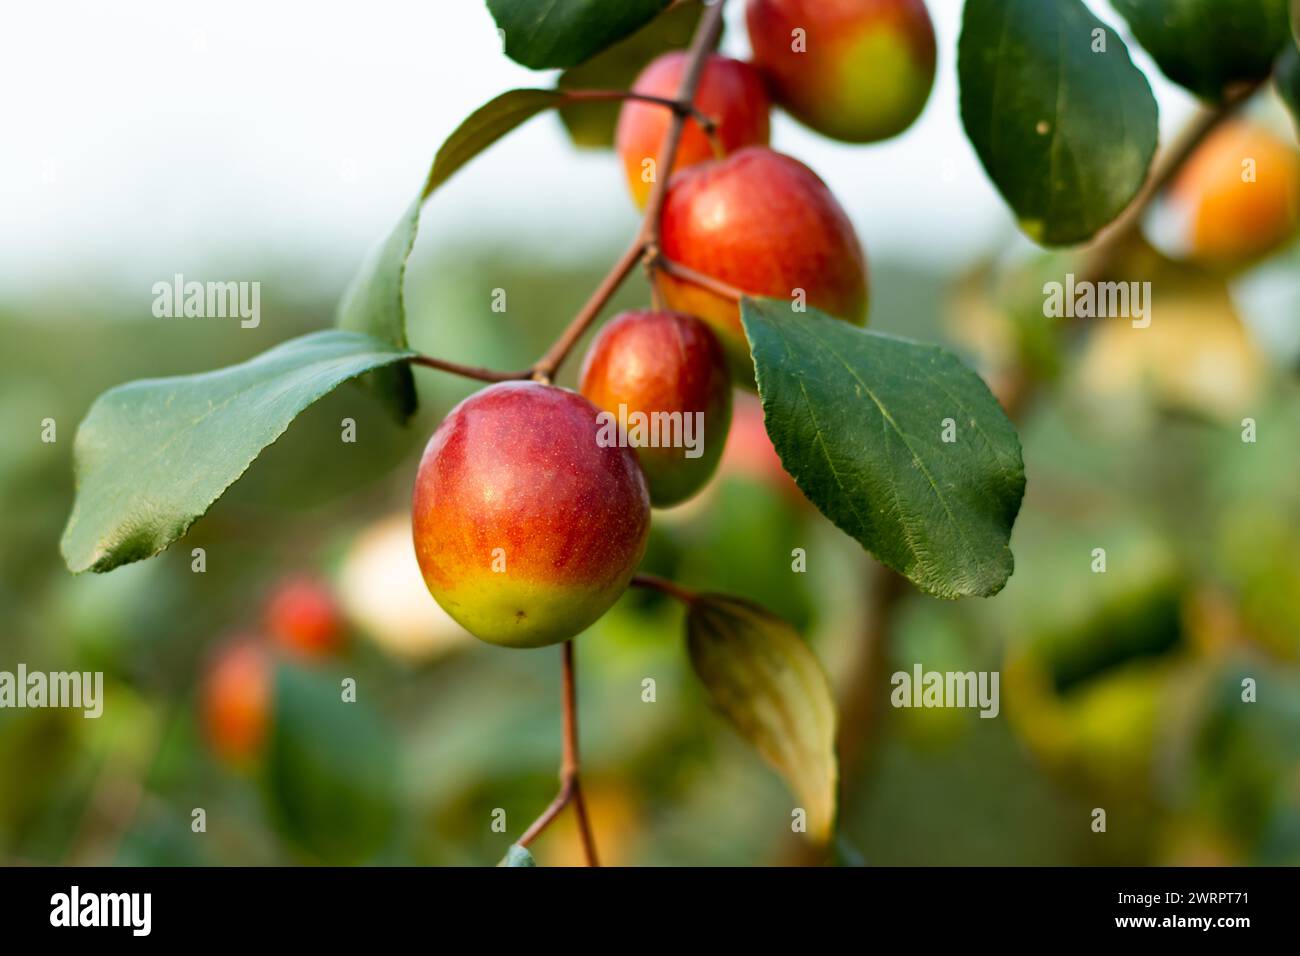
1120	690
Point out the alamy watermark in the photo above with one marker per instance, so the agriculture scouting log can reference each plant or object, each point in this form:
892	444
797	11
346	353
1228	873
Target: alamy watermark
922	688
683	430
78	690
208	300
1084	299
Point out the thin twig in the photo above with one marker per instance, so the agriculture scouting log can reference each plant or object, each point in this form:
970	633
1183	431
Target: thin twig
644	247
469	371
570	769
707	123
647	238
695	277
653	582
549	363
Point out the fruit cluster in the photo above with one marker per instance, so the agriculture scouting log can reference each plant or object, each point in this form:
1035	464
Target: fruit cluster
529	521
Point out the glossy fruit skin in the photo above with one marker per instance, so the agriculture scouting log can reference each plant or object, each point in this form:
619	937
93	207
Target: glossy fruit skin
866	69
765	223
236	701
303	618
731	93
1224	219
526	529
663	362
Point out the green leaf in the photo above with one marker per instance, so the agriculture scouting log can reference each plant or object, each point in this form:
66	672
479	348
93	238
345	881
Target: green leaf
542	34
374	305
151	456
1065	133
591	124
1286	77
330	774
859	419
517	856
374	302
1207	45
485	126
763	678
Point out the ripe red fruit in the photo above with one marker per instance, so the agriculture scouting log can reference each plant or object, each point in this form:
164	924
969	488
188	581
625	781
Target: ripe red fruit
302	617
765	223
236	701
526	528
730	92
663	377
854	70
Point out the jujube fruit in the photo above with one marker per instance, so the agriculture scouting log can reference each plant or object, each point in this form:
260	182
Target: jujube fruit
666	375
766	224
1236	199
236	701
526	527
303	618
730	92
854	70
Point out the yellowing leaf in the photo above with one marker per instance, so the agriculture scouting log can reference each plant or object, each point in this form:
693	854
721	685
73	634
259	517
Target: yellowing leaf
767	682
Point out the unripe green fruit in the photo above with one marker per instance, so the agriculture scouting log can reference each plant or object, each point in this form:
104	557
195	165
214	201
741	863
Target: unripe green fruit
527	529
663	377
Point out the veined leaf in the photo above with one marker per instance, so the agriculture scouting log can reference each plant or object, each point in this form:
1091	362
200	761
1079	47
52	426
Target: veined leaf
766	681
152	456
861	421
1062	120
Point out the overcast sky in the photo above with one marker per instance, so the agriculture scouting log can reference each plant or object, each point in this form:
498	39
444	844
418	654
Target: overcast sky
141	137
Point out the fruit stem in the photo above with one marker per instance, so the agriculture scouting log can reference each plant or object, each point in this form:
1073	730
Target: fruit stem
671	588
469	371
716	286
647	237
705	122
570	768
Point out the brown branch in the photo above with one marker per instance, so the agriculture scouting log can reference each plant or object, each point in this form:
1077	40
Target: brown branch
689	109
653	582
707	282
705	39
570	768
469	371
646	242
643	248
550	363
1104	253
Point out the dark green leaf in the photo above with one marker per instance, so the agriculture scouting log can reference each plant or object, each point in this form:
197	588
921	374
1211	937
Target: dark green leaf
1207	45
374	302
1065	133
330	772
859	418
1286	77
543	34
151	456
517	856
591	124
765	680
